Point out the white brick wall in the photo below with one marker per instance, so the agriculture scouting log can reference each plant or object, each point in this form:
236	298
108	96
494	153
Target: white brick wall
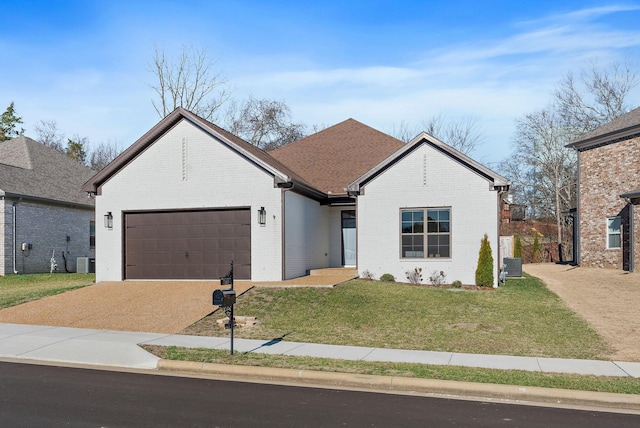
206	175
307	239
426	178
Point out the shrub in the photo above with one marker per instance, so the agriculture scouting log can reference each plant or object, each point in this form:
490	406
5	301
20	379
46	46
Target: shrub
456	284
517	246
535	256
437	278
387	277
414	276
367	274
484	271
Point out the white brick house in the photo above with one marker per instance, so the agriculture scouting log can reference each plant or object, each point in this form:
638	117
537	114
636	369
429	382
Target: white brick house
188	197
42	209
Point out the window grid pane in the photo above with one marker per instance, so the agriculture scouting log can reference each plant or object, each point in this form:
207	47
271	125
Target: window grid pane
438	233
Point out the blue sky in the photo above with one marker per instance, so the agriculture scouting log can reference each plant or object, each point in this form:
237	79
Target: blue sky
85	64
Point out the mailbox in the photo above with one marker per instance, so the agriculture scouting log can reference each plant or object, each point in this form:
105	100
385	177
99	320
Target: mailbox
228	297
218	297
224	297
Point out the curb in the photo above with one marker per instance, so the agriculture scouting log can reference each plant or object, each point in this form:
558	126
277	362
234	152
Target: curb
603	400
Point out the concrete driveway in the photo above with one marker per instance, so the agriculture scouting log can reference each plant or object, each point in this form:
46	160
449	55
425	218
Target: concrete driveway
607	299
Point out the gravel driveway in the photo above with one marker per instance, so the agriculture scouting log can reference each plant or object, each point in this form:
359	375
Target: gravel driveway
150	306
608	299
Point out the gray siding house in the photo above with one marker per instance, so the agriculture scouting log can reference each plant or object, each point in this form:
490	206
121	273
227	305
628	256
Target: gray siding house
43	210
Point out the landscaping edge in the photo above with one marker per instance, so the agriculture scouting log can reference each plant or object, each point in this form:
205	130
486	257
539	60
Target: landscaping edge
471	390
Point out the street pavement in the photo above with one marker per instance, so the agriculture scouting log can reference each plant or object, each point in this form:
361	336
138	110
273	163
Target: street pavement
121	349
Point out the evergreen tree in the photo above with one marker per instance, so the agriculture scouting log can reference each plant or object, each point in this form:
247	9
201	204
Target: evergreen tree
484	272
517	247
535	256
8	124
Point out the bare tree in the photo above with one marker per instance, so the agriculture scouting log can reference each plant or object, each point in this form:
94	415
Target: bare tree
404	132
104	153
598	97
189	81
264	123
48	135
463	133
542	167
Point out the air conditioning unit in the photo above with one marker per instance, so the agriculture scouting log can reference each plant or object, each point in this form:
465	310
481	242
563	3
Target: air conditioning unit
86	265
513	267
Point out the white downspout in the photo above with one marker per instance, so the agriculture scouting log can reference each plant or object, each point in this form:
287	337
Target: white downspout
15	248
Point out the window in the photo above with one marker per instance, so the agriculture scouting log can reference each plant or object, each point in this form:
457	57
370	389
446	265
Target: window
437	233
92	234
613	232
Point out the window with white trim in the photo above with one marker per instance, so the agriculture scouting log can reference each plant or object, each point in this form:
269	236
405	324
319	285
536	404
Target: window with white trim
435	238
614	227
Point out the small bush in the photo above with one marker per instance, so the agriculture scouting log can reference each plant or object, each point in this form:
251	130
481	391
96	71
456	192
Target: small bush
437	278
414	276
484	272
456	284
387	277
367	274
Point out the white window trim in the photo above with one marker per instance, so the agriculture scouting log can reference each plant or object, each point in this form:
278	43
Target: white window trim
608	234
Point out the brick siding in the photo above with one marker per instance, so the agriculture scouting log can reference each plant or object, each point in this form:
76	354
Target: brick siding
605	173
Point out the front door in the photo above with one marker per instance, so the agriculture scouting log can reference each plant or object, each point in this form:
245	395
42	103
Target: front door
349	238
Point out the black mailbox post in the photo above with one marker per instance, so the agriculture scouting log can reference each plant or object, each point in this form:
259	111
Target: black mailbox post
226	299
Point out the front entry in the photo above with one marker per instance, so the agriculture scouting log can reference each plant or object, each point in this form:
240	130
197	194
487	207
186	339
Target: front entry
349	238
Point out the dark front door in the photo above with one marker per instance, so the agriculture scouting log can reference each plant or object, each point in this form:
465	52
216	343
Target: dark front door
187	244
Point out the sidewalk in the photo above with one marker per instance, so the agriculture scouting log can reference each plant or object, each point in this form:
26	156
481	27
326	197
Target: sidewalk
117	348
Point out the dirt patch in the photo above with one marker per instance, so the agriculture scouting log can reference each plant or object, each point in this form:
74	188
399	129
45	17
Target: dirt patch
606	298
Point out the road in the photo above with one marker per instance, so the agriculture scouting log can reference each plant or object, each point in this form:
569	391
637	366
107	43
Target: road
49	396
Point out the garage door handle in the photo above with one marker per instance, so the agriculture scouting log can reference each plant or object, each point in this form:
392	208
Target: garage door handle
186	254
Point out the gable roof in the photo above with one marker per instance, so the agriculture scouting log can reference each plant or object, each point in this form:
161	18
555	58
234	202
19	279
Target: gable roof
32	170
332	158
282	174
619	128
423	138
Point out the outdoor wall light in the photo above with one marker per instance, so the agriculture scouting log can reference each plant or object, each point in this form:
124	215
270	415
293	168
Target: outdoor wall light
108	220
262	216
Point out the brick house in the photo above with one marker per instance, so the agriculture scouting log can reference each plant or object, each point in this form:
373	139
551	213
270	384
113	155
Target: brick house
188	197
609	190
42	209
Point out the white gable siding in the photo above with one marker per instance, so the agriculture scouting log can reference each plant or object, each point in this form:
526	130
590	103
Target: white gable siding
188	169
426	178
306	235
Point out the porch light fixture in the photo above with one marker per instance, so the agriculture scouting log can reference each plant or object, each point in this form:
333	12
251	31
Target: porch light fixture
262	216
108	220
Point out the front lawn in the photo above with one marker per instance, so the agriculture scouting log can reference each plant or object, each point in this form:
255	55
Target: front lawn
17	289
521	318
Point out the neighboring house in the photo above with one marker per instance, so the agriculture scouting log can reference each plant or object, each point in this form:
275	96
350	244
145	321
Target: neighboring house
188	197
42	209
609	189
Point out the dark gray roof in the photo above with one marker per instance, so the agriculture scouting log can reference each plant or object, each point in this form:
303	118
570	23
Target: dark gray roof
624	126
29	169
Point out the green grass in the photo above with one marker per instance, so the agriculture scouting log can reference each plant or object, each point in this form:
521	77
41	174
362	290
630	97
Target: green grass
521	318
17	289
625	385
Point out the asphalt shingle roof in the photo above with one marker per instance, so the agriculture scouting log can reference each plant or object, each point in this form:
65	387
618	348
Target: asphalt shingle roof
31	169
334	157
626	121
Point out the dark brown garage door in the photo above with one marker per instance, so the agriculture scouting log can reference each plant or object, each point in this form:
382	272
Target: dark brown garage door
187	244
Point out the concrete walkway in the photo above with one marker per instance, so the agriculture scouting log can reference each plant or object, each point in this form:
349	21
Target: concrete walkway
120	349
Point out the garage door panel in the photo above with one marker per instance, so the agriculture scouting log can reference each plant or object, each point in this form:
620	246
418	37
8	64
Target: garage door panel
187	244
